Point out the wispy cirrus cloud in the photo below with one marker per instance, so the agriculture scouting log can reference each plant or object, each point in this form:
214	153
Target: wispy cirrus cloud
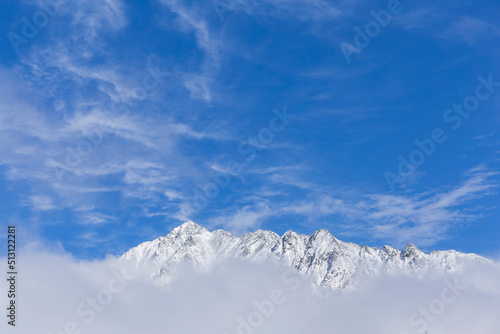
315	10
443	23
470	29
192	19
243	219
42	203
42	146
98	219
423	217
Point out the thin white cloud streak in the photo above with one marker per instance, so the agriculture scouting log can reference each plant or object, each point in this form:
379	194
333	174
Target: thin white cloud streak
95	15
314	10
192	20
98	219
441	22
244	219
53	286
470	29
42	203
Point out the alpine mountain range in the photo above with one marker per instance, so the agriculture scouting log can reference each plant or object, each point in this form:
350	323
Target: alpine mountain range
323	258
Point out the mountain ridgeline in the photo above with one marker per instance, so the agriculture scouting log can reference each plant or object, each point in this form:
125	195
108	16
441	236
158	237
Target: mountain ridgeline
326	260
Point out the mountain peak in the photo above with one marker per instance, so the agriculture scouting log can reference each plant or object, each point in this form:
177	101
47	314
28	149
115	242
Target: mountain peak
189	224
188	227
411	251
322	233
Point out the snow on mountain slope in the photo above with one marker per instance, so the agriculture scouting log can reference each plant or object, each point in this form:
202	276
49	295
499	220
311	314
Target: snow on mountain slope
325	259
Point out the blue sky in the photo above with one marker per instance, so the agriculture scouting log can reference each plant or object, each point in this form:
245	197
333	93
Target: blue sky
122	119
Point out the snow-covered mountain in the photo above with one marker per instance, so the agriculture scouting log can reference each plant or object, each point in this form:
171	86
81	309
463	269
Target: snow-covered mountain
325	259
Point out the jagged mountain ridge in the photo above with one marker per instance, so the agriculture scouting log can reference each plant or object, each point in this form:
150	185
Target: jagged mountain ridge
326	260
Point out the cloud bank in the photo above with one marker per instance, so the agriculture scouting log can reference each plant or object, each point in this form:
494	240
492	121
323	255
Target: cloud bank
58	294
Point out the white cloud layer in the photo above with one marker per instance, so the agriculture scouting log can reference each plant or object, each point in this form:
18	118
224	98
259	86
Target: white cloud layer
56	292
